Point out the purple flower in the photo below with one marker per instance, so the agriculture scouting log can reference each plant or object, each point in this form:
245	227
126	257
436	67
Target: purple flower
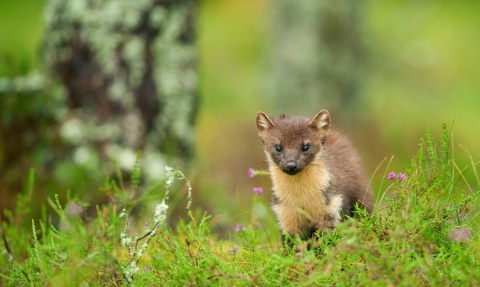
235	249
238	227
391	175
257	190
401	176
146	224
250	172
147	268
392	194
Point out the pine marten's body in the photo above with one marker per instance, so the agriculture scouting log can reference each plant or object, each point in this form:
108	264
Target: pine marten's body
316	173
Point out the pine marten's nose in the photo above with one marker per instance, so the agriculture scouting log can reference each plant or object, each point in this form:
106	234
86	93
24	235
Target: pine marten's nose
291	166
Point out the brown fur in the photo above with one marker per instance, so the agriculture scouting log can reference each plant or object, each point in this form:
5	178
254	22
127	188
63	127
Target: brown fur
312	187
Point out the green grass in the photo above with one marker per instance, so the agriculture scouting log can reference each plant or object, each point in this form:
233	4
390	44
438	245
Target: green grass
409	240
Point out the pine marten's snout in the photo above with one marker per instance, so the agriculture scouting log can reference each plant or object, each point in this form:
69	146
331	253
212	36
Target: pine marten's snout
291	167
290	160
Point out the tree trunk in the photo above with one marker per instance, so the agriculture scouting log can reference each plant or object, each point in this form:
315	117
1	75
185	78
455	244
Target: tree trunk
314	55
129	72
127	77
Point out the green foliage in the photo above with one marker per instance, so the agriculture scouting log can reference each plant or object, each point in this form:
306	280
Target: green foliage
70	246
423	234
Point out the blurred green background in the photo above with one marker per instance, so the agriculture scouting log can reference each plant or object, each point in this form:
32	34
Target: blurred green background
421	69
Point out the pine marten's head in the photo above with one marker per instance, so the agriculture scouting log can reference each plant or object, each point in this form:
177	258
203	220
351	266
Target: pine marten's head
293	143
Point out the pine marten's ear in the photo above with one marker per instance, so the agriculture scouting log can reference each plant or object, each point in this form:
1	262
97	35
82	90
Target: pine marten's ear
263	122
321	121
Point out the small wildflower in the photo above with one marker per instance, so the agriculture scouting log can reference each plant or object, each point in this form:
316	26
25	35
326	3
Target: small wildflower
391	175
235	249
147	268
238	227
250	172
146	224
258	190
401	176
392	194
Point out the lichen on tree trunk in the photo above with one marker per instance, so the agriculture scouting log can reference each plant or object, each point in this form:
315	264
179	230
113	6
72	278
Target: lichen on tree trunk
129	72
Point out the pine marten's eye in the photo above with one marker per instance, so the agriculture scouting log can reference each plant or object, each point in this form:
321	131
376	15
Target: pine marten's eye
305	147
278	148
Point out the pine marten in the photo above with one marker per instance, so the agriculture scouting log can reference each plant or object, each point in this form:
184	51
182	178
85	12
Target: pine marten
316	173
